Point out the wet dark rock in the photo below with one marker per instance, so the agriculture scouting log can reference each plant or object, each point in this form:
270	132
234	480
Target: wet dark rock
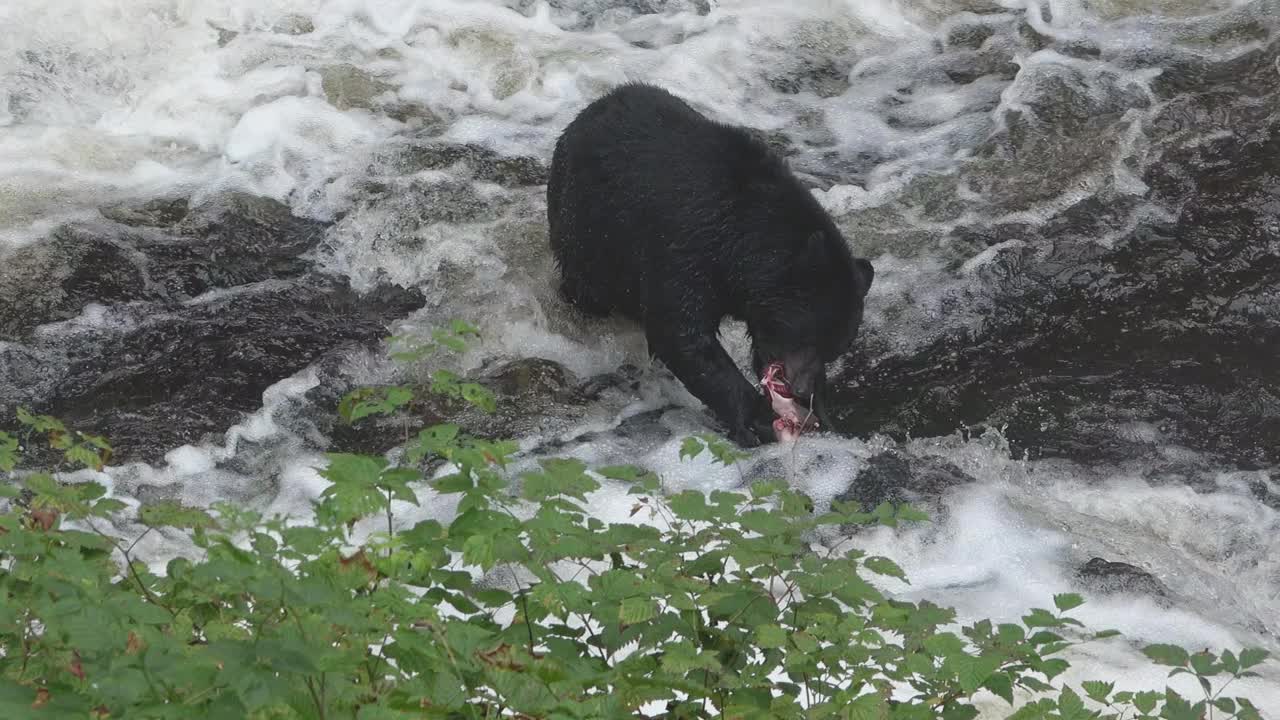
896	477
482	163
54	279
824	169
1033	38
1100	353
234	240
189	373
969	35
161	213
198	310
963	68
1250	73
1110	578
1079	49
823	76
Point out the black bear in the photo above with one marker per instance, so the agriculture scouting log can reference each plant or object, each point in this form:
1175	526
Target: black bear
677	221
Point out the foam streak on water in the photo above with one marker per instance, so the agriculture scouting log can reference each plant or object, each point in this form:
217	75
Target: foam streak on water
915	121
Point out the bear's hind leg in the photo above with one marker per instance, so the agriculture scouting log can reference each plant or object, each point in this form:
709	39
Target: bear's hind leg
579	297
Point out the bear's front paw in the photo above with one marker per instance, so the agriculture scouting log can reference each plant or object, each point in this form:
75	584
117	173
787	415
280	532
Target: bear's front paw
746	437
755	430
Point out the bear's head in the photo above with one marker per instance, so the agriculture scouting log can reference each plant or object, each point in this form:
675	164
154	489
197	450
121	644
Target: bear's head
814	315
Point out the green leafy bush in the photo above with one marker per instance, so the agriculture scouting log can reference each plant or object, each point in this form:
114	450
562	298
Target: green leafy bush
707	605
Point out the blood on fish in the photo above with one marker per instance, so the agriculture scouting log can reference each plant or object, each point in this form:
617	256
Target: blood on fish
790	423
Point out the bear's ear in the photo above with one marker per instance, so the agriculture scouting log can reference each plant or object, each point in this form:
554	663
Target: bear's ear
864	268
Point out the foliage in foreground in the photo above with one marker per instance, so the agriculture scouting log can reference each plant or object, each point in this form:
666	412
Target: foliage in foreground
522	606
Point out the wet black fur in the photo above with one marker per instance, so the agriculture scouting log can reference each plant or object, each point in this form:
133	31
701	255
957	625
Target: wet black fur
676	221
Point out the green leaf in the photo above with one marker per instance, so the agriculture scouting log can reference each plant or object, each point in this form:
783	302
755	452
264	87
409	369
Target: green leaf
1071	706
692	447
959	712
9	452
1067	601
1167	654
559	477
682	656
171	513
479	396
1252	656
972	672
867	707
479	550
1177	708
945	645
771	636
1002	685
690	505
1098	691
634	610
1205	663
1146	701
885	566
40	423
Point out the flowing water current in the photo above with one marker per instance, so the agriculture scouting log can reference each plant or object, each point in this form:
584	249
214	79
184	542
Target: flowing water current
212	212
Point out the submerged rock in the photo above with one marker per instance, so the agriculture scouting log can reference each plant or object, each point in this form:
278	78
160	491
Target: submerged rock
1110	578
347	87
155	213
896	477
481	163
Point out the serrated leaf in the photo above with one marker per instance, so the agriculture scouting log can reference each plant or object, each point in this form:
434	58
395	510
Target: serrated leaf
1002	685
1252	656
771	636
944	645
634	610
9	452
1171	655
867	707
171	513
959	712
690	505
885	566
1067	601
1146	701
1205	663
692	447
1071	706
972	672
40	423
478	550
1097	690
